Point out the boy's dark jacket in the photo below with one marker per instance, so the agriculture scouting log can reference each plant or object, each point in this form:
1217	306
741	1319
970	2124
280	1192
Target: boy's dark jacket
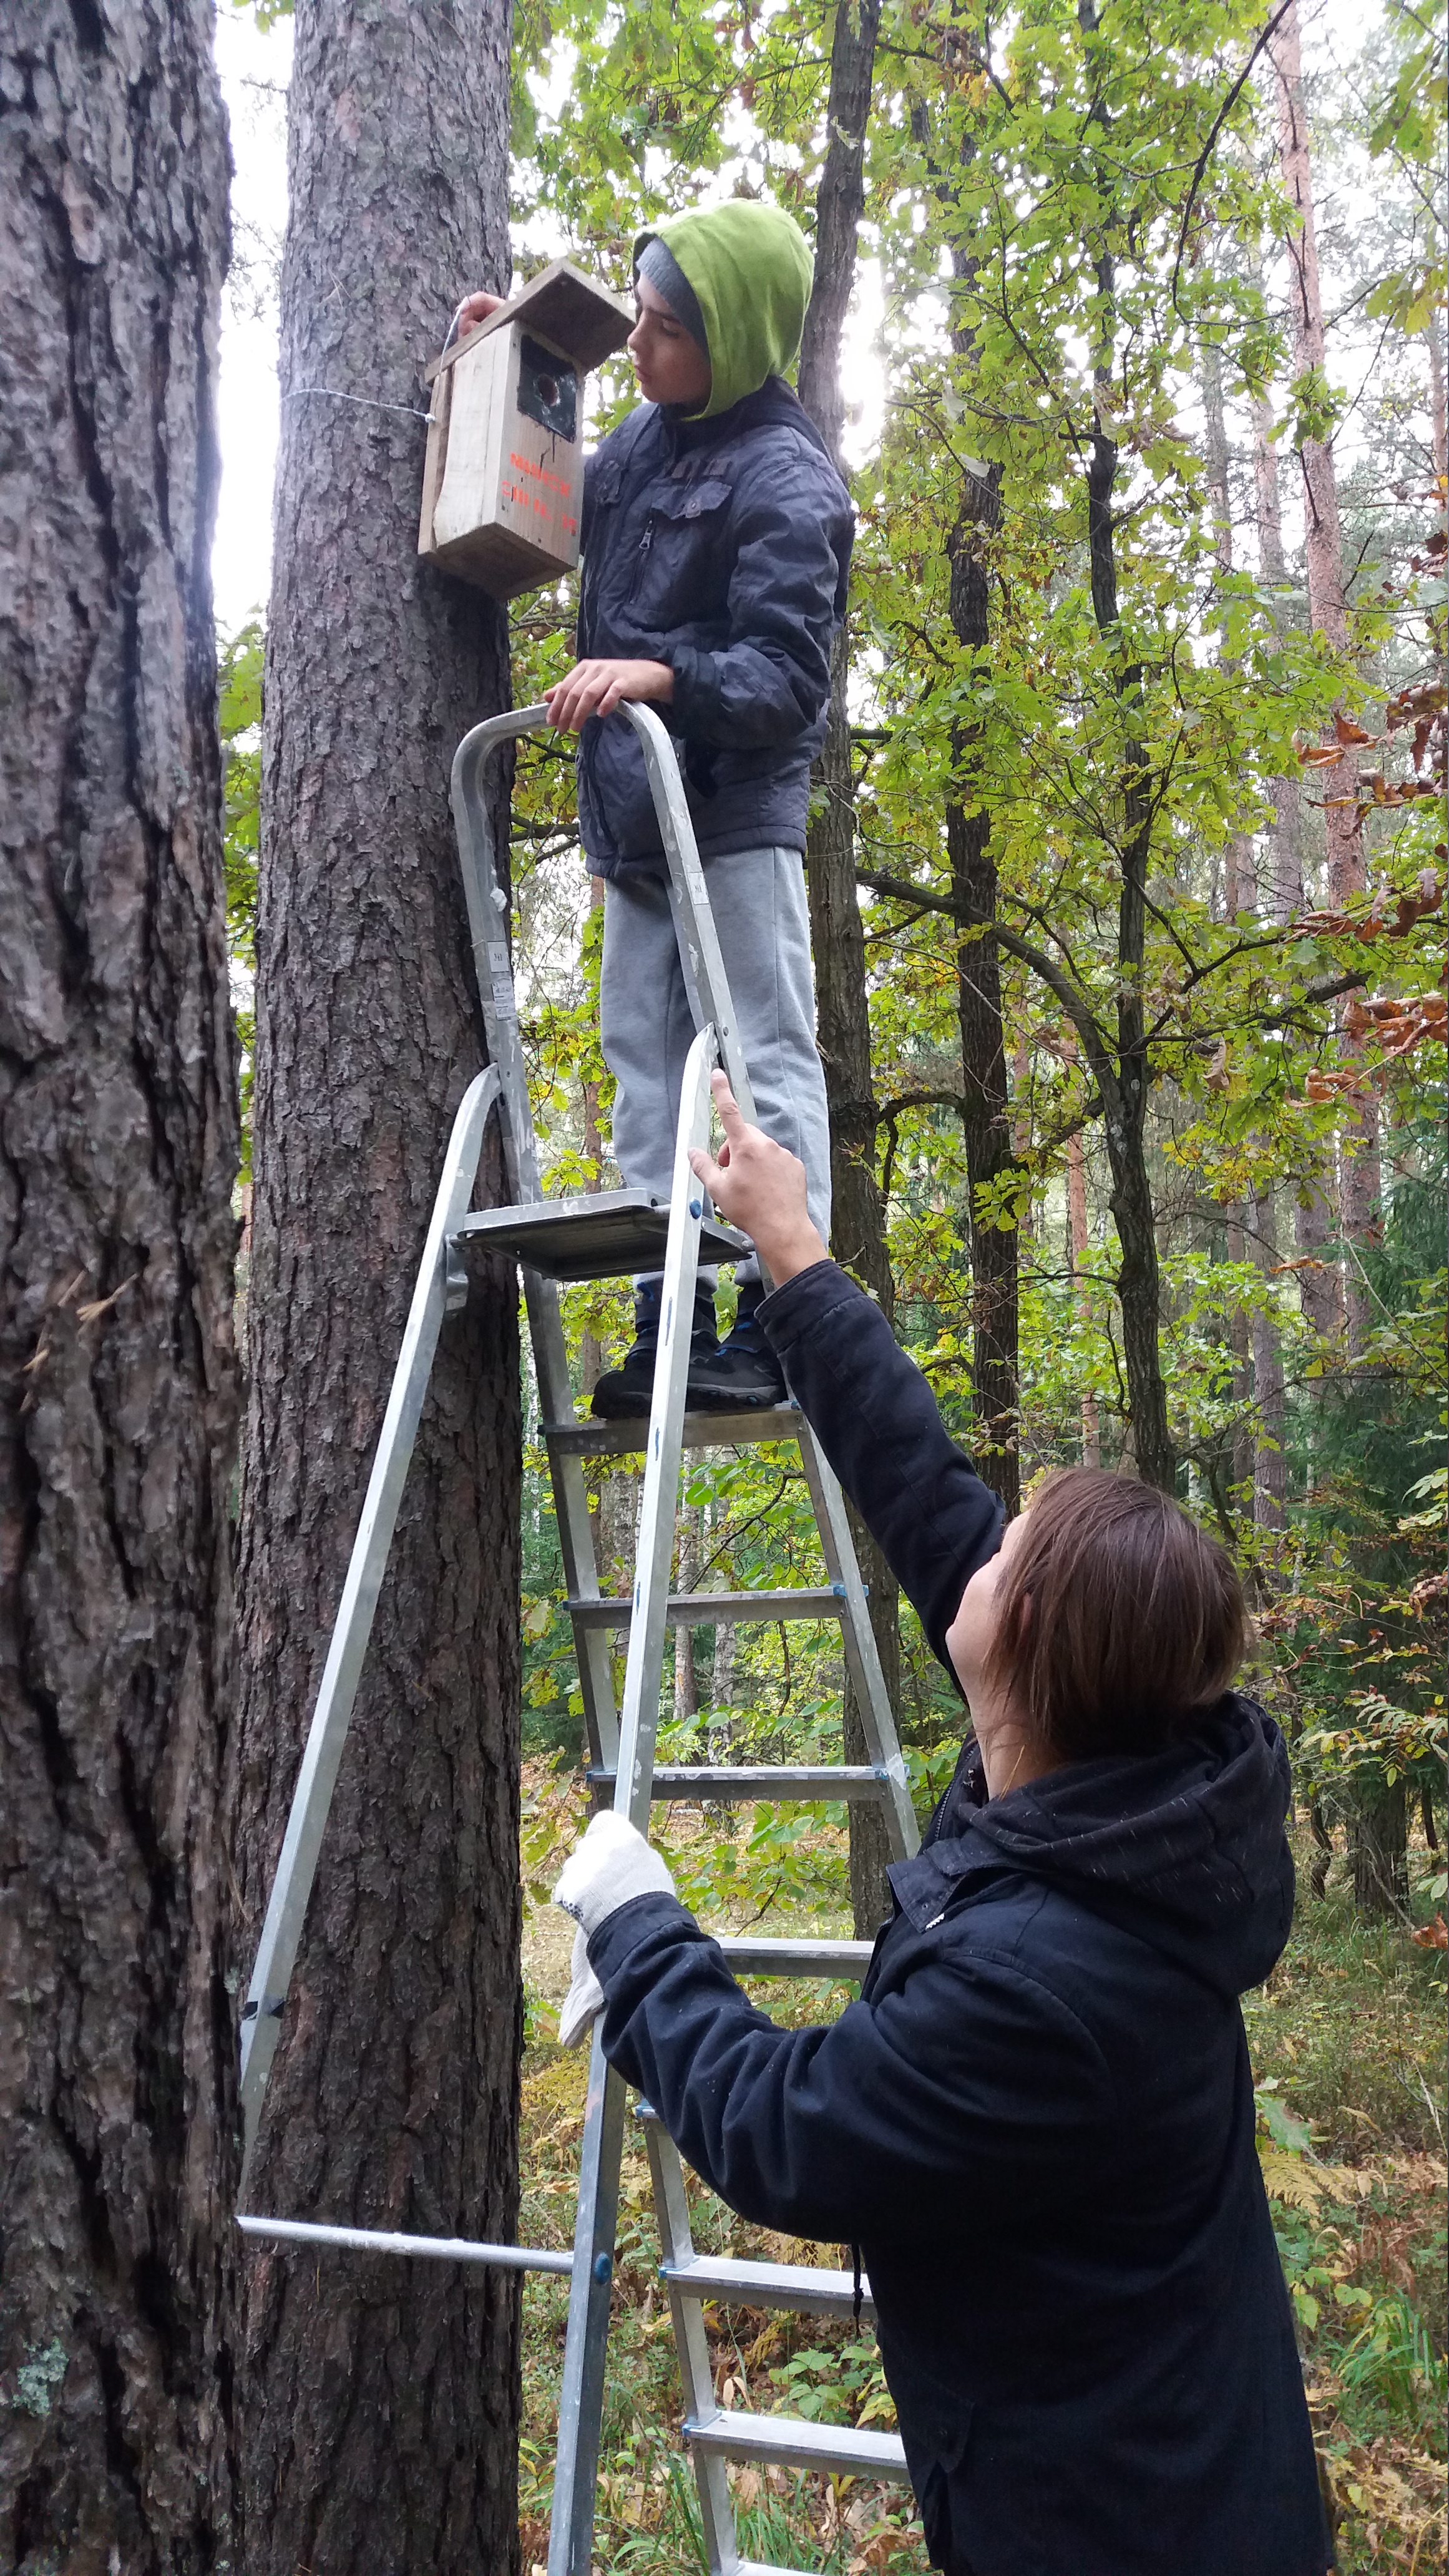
1038	2121
721	547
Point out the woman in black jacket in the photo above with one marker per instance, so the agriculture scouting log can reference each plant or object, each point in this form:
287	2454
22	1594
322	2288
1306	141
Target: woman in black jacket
1037	2123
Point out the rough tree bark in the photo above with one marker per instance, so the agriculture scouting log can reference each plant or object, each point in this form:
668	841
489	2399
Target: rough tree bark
1378	1836
118	1153
382	2398
858	1213
1328	615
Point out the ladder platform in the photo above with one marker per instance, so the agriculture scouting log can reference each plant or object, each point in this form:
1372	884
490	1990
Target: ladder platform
794	2443
704	1609
796	2286
683	1783
625	1439
608	1235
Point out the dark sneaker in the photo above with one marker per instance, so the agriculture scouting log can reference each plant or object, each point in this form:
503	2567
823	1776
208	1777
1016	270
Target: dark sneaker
627	1391
744	1370
734	1377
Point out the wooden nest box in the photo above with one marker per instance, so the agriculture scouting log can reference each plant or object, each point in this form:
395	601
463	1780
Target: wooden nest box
503	484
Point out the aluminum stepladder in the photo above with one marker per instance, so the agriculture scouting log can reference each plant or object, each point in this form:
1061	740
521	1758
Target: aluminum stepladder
609	1234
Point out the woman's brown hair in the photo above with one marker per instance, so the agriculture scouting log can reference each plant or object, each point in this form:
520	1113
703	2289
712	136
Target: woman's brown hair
1116	1617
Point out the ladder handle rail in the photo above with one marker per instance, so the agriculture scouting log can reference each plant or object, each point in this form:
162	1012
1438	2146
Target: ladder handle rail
352	1628
486	896
432	2249
699	948
487	900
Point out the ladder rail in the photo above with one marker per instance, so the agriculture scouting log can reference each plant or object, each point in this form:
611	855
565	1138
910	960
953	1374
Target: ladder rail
857	1637
580	2402
677	2253
486	897
317	1777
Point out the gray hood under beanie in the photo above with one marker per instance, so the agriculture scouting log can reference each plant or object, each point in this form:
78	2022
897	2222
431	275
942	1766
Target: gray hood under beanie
658	263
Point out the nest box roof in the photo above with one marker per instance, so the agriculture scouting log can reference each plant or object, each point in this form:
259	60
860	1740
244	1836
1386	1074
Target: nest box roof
564	307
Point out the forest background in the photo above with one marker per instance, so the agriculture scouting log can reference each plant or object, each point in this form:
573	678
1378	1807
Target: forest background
1134	791
1126	869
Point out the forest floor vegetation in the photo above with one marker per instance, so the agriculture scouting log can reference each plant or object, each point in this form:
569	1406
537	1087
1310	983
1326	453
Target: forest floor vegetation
1348	2053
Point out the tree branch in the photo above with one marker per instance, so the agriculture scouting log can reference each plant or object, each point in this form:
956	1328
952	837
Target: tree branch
1203	158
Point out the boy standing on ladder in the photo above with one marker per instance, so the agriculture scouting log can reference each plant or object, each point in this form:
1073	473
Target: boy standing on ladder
716	550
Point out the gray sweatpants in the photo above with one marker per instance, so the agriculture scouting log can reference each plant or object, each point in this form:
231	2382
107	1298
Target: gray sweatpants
760	913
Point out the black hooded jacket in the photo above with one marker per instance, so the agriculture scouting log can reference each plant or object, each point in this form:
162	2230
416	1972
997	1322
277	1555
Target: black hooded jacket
721	547
1037	2122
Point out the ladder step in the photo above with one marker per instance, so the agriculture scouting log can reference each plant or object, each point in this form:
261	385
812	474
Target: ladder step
750	1958
797	2444
769	2285
434	2249
685	1782
701	1431
608	1235
757	2567
703	1609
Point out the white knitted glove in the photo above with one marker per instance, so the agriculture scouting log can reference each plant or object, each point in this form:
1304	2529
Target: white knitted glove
610	1865
585	1998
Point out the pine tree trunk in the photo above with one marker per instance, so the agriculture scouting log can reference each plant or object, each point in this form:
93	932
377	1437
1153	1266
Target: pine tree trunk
1139	1288
1379	1844
382	2397
1079	1239
1270	1461
858	1212
985	1112
1439	407
1240	893
1328	615
1319	1281
118	1154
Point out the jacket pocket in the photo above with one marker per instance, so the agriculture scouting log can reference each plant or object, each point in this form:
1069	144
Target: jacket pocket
677	561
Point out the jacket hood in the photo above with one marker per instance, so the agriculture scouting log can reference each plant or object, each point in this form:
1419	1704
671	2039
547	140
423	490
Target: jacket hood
1184	1848
750	268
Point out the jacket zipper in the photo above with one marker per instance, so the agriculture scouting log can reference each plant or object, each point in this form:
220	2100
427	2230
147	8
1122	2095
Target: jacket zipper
641	556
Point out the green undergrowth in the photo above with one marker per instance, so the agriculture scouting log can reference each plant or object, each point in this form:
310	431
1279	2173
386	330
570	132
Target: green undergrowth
1348	2054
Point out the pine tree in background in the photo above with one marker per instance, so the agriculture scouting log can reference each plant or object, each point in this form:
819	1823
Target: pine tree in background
382	2401
1328	614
